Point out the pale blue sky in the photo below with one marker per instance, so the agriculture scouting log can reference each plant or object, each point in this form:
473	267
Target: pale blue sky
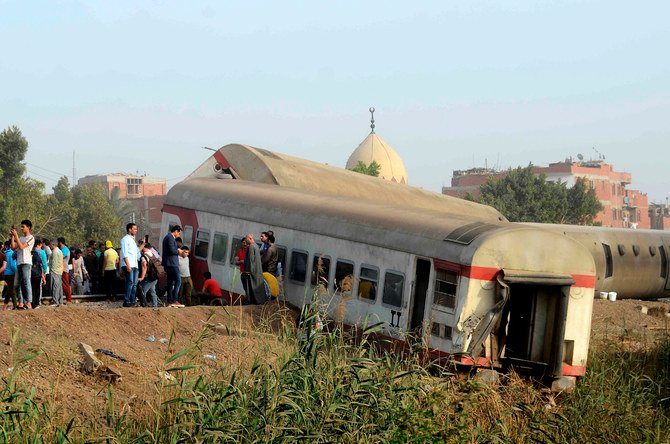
142	86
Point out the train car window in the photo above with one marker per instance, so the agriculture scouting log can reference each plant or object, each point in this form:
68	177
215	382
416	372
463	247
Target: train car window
367	283
281	259
393	286
201	244
446	287
440	330
187	236
608	260
220	248
298	266
344	276
321	272
235	248
664	262
652	250
622	249
636	250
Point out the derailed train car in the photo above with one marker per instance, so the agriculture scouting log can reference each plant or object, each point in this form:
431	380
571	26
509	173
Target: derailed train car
632	263
496	294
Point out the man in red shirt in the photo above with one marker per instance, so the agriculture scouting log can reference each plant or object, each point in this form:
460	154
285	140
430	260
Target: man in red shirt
210	289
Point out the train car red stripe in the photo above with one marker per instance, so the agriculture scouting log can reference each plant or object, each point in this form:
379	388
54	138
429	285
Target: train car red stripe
221	160
481	273
584	280
573	370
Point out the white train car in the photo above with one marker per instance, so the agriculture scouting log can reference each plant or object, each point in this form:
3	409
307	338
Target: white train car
632	263
489	292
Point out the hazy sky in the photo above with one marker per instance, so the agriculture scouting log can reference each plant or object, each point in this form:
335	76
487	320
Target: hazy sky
142	86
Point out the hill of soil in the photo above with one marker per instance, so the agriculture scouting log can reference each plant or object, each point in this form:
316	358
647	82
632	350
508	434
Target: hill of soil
146	338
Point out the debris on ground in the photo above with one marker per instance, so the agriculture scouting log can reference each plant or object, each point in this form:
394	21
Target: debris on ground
94	366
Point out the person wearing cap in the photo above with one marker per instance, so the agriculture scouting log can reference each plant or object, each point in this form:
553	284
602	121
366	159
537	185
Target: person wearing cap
170	262
110	260
56	268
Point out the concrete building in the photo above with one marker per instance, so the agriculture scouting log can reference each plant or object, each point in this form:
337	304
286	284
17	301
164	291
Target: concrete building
659	214
130	186
622	208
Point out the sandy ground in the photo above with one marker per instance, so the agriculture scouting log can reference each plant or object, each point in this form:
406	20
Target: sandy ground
145	337
55	333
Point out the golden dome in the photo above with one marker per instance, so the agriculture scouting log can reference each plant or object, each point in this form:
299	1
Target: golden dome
374	148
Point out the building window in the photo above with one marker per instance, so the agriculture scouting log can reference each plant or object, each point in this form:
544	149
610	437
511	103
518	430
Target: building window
446	286
134	186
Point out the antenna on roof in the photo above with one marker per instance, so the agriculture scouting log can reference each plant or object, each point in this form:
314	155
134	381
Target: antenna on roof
600	155
372	119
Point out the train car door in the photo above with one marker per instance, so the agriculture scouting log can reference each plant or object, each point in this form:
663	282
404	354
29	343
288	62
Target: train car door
421	282
665	262
534	322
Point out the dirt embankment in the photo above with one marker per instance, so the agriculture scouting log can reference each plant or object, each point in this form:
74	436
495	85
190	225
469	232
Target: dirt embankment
144	337
56	372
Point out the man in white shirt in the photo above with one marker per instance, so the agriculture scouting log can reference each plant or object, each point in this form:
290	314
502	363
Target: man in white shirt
129	256
24	261
186	287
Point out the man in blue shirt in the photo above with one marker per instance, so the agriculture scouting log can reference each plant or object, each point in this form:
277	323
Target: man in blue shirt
129	256
10	271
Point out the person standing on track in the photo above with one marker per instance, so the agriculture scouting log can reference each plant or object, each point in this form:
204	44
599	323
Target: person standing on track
24	261
129	256
56	267
171	264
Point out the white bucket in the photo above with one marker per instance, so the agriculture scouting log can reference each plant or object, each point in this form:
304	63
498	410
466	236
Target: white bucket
603	295
612	295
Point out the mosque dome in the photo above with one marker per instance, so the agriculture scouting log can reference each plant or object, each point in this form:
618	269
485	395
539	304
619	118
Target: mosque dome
373	148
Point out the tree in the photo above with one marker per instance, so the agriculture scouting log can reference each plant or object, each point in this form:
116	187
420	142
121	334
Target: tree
26	200
523	196
370	170
583	204
83	213
95	213
123	208
13	147
65	222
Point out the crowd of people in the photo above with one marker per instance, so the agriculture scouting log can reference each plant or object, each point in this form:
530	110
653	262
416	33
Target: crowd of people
32	269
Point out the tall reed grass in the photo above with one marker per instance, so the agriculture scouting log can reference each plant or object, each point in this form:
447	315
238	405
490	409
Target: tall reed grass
328	389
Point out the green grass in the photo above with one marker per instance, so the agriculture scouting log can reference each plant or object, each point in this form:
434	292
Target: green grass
327	389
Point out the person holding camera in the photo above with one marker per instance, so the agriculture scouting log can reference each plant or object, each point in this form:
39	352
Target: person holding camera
24	261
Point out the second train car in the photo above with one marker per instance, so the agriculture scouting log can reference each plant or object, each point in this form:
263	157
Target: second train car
497	293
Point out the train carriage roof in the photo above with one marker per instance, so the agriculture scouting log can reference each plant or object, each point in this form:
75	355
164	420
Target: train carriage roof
259	165
428	233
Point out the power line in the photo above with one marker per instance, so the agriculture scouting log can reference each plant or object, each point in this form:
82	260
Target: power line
50	171
41	175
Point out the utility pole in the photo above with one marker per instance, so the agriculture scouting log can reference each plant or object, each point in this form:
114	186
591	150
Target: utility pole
74	171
